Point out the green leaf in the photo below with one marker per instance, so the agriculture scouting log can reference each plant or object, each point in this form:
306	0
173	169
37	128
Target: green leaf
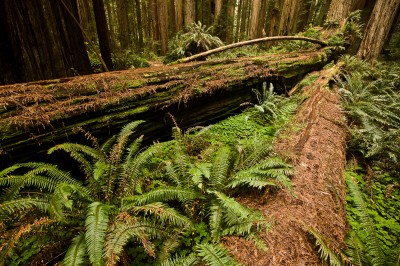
96	224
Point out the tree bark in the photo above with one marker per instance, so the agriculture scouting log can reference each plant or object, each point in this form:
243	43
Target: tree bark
139	25
254	19
339	10
37	48
123	29
162	13
288	17
190	12
178	14
102	32
378	28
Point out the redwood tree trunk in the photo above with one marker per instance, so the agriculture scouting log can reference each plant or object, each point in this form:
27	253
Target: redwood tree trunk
178	14
102	32
339	10
378	28
288	18
123	29
190	12
255	18
163	25
34	48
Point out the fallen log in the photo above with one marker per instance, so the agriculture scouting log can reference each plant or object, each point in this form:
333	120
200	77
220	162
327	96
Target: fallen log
35	116
315	140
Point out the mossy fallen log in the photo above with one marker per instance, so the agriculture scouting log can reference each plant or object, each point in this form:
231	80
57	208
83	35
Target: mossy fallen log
34	116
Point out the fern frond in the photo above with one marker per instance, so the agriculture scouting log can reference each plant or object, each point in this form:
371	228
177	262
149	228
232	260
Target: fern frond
83	154
61	199
373	245
133	169
215	255
126	229
164	194
355	249
41	175
215	221
161	212
220	169
76	253
22	204
95	231
168	246
325	251
189	260
123	137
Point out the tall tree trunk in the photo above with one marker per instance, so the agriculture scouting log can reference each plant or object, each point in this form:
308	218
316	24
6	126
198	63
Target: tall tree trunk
190	12
139	25
171	18
322	11
339	10
230	20
288	17
178	14
102	32
162	14
378	28
41	48
86	19
123	29
254	19
111	25
238	21
244	18
305	12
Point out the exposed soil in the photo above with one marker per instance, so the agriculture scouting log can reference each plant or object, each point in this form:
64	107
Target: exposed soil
315	141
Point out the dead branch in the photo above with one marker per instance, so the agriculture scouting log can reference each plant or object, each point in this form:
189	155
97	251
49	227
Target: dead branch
249	42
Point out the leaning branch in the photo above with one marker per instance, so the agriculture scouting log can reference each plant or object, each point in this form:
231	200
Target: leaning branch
239	44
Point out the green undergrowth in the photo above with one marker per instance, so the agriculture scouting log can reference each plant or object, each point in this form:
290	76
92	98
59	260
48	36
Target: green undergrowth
167	204
383	201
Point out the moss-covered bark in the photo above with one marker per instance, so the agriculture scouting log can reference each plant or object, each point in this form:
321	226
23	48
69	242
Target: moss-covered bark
34	116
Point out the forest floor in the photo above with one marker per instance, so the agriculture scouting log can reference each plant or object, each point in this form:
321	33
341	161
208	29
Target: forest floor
315	142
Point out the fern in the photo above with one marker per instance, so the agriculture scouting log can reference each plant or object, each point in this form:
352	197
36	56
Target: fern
162	213
216	221
76	253
22	204
215	255
219	169
131	228
326	252
95	231
83	154
373	245
165	194
189	260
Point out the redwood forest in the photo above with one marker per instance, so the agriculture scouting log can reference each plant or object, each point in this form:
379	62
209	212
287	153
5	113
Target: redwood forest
200	132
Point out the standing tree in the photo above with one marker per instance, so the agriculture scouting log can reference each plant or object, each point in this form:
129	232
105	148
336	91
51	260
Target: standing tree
378	28
123	29
288	18
189	12
102	32
339	10
40	40
162	16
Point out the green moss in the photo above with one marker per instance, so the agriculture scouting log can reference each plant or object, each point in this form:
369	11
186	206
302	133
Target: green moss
243	126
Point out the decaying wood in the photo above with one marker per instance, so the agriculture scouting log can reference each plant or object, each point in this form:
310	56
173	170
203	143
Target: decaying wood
35	116
316	143
250	42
